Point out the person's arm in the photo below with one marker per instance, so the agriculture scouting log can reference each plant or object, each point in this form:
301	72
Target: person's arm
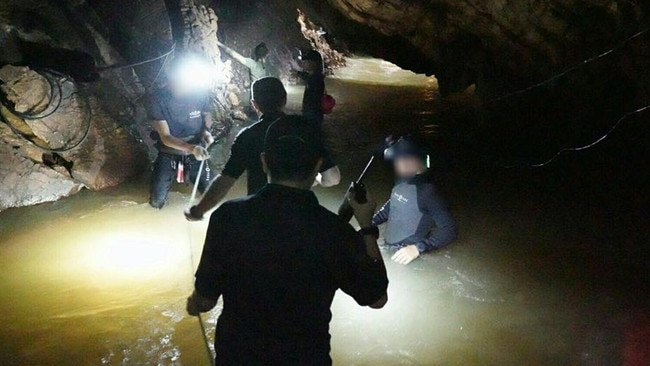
207	137
162	128
445	231
329	178
431	204
361	269
207	120
382	215
220	187
215	193
208	277
237	56
170	141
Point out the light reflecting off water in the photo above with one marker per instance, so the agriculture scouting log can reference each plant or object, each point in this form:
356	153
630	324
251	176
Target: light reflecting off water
377	71
101	278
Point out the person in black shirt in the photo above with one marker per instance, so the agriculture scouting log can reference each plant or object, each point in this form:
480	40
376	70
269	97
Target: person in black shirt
281	258
314	78
269	98
181	120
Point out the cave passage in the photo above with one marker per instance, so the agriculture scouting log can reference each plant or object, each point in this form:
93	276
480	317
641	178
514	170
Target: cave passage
101	278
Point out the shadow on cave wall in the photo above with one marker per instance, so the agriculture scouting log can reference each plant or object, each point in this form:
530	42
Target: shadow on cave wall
78	64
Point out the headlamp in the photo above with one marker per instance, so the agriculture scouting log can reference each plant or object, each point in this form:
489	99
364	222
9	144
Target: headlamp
194	73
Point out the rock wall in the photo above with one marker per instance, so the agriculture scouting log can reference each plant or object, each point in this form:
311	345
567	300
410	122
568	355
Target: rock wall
57	139
68	131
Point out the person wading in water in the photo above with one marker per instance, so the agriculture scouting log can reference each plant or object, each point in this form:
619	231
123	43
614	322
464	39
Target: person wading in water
181	119
278	257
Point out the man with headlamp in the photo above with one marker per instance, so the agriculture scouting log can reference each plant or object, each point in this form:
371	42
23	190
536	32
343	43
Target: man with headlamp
181	119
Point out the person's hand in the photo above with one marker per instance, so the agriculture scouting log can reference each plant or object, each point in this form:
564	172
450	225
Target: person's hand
207	139
363	212
193	214
406	255
192	306
196	304
200	153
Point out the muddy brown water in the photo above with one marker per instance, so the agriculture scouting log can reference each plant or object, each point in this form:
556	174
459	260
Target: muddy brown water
101	279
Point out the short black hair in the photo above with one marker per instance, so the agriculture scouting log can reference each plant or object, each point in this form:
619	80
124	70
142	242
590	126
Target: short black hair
269	94
260	51
293	146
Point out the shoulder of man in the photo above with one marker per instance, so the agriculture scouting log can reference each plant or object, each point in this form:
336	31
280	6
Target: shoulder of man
154	103
158	96
338	228
229	206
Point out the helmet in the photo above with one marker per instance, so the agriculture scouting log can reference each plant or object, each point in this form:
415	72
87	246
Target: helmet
405	146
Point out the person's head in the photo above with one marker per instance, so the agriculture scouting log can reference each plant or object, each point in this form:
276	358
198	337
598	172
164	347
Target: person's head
293	152
312	61
269	95
408	156
260	52
188	74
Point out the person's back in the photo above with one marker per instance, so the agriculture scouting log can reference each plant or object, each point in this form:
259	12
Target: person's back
278	257
269	98
286	263
314	79
246	153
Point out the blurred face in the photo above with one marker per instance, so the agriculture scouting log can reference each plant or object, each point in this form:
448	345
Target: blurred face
408	166
178	88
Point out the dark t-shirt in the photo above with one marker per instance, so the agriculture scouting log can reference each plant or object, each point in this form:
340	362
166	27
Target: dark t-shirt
314	90
277	258
245	153
415	208
183	115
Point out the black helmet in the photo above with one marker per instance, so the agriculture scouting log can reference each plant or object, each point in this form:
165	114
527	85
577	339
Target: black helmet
312	55
405	146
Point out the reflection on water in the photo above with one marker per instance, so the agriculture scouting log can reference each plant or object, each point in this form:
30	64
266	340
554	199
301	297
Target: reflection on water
376	71
100	278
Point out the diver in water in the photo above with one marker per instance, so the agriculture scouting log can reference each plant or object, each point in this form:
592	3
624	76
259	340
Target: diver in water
257	65
415	206
313	75
181	119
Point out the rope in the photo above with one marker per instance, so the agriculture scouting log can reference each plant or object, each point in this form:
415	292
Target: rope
579	148
558	76
120	67
27	116
195	189
570	69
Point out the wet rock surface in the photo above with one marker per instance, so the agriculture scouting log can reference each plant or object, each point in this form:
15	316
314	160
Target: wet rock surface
24	180
57	140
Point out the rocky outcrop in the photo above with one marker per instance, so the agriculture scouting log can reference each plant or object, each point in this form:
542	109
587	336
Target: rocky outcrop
24	179
57	139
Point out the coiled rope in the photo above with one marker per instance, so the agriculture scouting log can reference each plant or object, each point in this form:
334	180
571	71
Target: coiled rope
55	80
